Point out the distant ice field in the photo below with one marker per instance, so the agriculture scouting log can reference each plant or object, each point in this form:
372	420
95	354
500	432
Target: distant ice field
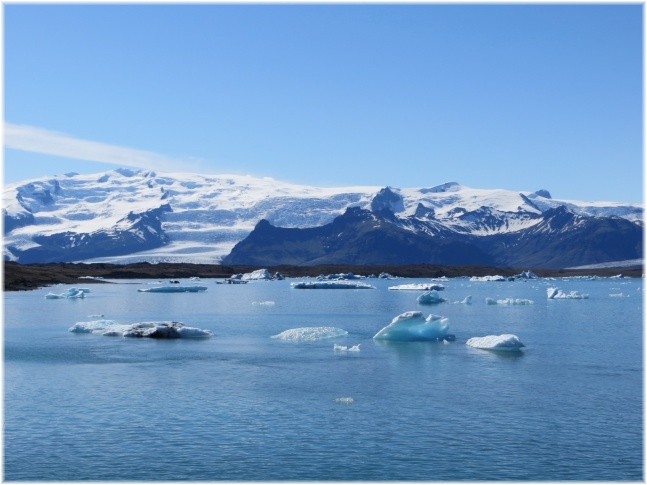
242	405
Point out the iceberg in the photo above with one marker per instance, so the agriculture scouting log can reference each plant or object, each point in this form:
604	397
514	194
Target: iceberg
311	333
173	289
509	301
340	276
557	294
96	326
430	298
413	326
489	278
71	293
259	274
505	342
419	287
160	330
345	400
335	285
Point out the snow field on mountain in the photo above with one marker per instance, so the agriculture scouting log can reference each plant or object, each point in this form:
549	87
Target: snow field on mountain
204	216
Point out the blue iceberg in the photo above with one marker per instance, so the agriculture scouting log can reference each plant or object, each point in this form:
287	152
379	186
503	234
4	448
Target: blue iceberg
431	298
413	326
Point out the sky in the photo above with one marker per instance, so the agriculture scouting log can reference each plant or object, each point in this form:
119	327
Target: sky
512	96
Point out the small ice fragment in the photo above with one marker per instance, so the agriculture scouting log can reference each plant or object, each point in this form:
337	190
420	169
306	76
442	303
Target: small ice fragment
343	348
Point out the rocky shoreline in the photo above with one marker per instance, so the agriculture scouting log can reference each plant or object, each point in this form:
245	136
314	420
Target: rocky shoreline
31	276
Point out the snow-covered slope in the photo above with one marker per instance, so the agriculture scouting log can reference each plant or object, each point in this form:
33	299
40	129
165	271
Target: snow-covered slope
129	216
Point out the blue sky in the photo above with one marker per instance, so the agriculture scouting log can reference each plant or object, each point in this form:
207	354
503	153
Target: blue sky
513	96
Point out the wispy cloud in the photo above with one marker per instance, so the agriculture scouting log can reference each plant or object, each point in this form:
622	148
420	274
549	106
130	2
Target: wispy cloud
38	140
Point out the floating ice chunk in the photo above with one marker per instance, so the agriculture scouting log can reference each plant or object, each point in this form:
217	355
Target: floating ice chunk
345	400
505	342
110	328
193	332
92	327
489	278
71	293
557	294
343	348
430	298
164	330
419	287
466	301
526	275
340	276
263	303
334	285
509	301
412	326
311	333
618	295
259	274
173	289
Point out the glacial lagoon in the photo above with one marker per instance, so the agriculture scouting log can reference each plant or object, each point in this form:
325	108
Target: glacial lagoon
323	399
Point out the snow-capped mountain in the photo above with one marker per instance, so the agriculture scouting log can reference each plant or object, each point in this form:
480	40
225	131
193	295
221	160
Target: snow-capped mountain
130	216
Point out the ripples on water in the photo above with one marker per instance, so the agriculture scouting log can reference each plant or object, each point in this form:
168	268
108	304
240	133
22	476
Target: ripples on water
244	406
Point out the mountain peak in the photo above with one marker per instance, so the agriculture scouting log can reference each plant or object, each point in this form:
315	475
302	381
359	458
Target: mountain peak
446	187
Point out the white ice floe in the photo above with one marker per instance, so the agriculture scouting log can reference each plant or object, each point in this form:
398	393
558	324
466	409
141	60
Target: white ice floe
71	293
618	295
412	326
333	285
489	278
430	298
505	342
345	400
160	330
509	301
311	333
263	303
173	289
419	287
343	348
557	294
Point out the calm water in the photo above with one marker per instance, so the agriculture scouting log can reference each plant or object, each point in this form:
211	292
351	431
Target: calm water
243	406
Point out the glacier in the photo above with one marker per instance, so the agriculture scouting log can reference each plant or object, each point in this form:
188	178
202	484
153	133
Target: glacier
128	216
413	326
